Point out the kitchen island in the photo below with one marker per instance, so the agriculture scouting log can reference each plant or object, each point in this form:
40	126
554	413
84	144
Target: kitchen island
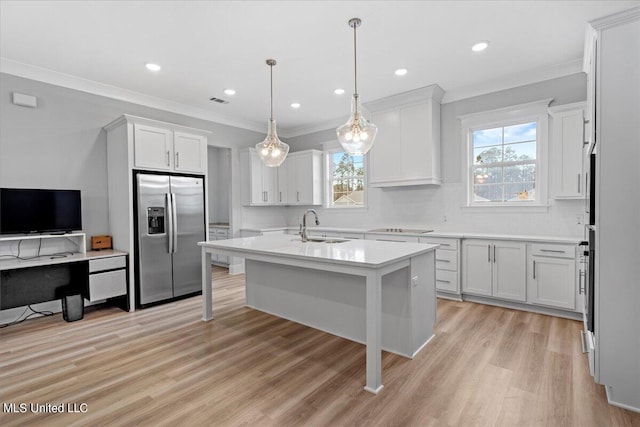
381	294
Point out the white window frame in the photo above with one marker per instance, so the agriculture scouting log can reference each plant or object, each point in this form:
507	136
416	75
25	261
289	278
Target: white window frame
518	114
330	148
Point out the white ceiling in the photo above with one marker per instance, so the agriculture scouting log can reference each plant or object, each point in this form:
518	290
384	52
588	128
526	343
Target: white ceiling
205	47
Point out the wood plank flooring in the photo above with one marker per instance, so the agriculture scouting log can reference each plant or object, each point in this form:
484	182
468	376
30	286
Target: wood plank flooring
487	366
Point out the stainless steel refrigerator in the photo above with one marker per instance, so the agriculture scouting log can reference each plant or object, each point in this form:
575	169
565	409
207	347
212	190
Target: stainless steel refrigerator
170	221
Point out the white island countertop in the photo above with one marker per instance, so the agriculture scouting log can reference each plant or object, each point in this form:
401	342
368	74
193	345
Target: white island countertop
363	253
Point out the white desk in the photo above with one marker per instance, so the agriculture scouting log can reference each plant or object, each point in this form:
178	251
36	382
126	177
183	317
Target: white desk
100	273
368	260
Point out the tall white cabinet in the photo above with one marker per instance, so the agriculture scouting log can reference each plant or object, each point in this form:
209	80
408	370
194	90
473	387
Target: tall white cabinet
612	59
136	143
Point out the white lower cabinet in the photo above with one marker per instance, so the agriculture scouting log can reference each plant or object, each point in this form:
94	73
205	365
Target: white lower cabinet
219	233
447	264
495	268
107	278
552	280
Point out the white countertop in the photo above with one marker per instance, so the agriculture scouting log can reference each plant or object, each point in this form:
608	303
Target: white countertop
365	253
452	234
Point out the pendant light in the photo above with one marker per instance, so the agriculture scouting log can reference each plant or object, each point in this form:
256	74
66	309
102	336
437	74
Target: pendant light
357	135
272	151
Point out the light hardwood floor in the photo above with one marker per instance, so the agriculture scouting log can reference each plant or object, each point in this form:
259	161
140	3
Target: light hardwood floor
486	366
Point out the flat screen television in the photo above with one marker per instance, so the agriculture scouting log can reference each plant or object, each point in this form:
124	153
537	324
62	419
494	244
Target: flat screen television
24	210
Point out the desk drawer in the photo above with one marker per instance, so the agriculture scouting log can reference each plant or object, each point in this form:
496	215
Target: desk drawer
103	264
107	285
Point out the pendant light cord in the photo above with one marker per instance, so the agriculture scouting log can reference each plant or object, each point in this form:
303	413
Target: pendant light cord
355	61
271	73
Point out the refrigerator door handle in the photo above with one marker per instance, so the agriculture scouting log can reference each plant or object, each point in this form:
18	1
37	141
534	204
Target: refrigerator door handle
174	226
170	221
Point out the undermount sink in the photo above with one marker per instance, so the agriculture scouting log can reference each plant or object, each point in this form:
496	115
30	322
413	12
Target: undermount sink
322	240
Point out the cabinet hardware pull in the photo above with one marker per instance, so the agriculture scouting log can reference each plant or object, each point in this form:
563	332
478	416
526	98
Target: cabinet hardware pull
488	253
555	251
578	183
266	196
443	260
280	196
297	196
168	158
494	254
443	281
534	268
177	159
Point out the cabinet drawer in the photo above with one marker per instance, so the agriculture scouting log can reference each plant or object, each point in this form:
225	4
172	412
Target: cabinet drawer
107	285
391	238
551	250
446	260
445	244
103	264
222	234
447	281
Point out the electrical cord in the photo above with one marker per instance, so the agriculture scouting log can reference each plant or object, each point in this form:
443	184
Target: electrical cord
52	256
29	316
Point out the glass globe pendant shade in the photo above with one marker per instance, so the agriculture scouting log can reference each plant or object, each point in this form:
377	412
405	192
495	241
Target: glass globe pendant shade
272	151
357	135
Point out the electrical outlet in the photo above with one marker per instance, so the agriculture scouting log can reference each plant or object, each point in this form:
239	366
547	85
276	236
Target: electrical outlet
444	218
578	219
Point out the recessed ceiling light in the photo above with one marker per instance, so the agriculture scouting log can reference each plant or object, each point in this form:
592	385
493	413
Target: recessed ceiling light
229	92
339	91
479	47
295	105
152	67
401	71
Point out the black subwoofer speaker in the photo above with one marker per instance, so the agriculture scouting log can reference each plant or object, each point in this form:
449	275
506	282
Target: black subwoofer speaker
72	307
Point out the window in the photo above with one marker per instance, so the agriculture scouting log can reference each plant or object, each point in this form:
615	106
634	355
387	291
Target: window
504	163
346	184
506	156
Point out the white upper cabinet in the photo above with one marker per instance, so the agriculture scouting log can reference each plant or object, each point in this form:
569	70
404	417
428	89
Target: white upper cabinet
304	178
259	183
188	154
568	138
407	148
166	149
153	147
297	181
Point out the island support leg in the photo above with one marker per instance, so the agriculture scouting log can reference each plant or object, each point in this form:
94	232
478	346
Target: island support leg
374	332
207	294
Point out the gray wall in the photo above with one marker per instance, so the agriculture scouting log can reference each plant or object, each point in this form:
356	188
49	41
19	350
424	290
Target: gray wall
219	188
61	144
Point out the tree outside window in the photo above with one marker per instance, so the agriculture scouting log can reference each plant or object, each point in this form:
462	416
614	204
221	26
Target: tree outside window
347	183
504	163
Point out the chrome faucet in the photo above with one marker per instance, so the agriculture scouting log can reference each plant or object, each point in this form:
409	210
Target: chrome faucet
303	227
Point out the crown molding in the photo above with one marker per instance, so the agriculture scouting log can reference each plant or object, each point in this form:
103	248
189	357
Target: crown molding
55	78
616	19
514	80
